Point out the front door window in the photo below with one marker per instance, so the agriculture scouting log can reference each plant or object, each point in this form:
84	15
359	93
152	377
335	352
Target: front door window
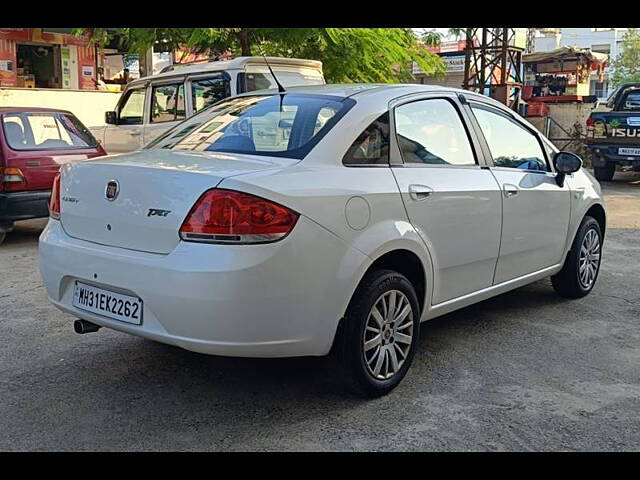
511	145
132	110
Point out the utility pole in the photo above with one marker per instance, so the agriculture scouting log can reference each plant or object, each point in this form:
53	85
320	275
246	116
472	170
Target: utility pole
493	64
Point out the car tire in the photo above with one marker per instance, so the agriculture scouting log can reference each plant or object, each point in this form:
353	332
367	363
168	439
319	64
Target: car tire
573	281
376	362
605	174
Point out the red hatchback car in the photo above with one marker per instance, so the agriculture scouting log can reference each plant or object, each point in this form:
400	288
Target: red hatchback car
34	142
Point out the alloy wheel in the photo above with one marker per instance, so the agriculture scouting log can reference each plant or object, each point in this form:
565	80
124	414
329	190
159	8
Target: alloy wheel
388	334
589	259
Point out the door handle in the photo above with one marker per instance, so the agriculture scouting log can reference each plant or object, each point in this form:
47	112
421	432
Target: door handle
420	192
510	190
135	133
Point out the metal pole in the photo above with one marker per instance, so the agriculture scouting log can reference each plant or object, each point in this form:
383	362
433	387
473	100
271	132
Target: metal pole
483	64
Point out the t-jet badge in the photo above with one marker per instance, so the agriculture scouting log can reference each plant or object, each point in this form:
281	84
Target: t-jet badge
158	212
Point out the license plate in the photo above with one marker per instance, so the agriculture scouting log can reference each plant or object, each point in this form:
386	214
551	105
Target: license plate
110	304
629	151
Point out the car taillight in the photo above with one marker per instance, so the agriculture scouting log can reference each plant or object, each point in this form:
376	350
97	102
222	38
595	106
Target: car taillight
590	127
54	202
12	179
227	216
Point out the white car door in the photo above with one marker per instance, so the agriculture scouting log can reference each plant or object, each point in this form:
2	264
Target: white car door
535	209
167	108
451	198
127	134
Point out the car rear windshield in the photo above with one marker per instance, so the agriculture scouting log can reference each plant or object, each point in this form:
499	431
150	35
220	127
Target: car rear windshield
632	101
45	131
283	125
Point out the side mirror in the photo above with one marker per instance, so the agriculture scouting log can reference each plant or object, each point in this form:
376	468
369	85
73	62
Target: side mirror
566	162
110	118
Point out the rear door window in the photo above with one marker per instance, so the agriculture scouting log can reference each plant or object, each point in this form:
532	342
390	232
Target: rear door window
46	131
167	103
431	132
206	91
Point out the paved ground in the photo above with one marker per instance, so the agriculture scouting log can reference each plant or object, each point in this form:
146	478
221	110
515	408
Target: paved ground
523	371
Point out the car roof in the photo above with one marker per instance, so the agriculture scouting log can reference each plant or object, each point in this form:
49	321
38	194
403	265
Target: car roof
238	63
31	109
346	89
388	90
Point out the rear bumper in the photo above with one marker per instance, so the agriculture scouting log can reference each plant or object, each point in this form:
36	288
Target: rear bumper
274	300
23	206
609	152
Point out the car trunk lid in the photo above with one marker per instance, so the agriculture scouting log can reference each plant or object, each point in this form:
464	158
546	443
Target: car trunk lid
155	191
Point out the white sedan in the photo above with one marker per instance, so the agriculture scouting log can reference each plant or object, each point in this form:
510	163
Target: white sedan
325	219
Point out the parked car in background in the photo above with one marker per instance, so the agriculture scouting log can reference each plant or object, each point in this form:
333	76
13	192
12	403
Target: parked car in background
327	218
34	142
152	105
613	136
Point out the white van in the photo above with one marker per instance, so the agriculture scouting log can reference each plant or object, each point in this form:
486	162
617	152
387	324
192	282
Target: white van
151	105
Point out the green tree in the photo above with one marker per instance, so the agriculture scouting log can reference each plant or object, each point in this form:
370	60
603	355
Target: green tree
431	37
627	64
348	54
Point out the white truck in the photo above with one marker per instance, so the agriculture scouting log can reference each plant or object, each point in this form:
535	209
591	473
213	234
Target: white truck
152	105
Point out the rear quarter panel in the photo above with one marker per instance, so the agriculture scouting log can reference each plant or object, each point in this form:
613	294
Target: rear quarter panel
362	207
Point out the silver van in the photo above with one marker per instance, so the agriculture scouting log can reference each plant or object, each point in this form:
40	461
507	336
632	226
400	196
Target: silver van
152	105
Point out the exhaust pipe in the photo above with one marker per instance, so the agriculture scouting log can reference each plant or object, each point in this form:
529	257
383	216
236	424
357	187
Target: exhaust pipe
82	326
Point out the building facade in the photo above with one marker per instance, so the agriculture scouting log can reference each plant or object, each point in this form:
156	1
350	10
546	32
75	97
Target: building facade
47	58
453	54
55	58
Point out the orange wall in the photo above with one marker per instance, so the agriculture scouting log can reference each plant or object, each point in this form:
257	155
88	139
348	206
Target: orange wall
8	53
86	61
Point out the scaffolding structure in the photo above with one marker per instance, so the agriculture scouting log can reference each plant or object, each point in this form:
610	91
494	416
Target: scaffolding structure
493	64
531	40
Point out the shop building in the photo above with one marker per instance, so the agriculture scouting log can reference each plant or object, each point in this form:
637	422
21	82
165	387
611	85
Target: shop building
558	91
453	54
47	58
561	76
599	40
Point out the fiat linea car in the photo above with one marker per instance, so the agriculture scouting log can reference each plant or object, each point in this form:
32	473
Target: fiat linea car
324	219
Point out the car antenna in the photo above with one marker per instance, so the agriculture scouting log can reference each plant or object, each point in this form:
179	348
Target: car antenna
280	87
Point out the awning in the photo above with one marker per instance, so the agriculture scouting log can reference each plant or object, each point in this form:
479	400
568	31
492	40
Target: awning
564	53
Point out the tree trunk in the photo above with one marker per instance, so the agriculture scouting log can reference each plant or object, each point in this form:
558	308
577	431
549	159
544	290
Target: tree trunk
245	45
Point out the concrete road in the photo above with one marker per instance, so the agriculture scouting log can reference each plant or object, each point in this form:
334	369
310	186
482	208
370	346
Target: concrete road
524	371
